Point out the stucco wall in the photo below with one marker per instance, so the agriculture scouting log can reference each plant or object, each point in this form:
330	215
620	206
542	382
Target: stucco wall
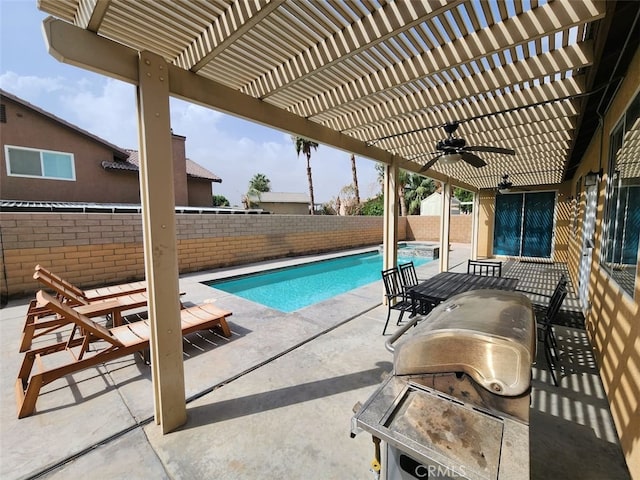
96	248
27	128
613	319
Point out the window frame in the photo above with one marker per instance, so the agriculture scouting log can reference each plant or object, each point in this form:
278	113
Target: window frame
40	151
612	204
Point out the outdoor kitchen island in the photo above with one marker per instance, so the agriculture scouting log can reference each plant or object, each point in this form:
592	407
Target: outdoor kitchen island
457	402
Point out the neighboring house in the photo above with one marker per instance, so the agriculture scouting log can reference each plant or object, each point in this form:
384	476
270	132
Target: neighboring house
45	158
432	205
282	202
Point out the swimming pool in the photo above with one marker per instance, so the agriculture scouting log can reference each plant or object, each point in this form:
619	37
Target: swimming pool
289	289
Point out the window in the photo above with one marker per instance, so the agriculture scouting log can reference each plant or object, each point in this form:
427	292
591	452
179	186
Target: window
28	162
622	207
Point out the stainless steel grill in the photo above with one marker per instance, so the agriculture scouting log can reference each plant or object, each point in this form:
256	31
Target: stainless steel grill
457	403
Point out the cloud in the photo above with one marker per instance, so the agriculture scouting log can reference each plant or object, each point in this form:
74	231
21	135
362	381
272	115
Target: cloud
30	88
108	111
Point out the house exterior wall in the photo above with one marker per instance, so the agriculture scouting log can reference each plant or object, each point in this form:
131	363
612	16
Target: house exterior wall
285	208
562	220
26	128
92	249
180	186
200	193
613	319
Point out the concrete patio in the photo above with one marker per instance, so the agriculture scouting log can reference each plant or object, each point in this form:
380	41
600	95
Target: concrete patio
275	400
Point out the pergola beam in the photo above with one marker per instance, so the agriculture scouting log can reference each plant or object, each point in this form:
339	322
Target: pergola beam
72	45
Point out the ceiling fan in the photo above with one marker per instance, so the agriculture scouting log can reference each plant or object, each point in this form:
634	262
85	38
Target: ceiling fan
453	149
505	185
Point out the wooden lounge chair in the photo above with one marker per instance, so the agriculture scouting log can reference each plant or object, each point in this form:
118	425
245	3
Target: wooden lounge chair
106	344
92	295
41	321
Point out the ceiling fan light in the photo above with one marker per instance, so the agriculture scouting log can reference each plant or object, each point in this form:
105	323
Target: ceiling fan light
450	158
504	190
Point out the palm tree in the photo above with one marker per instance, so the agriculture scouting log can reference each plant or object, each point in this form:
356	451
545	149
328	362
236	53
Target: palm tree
305	145
260	183
401	184
355	178
418	189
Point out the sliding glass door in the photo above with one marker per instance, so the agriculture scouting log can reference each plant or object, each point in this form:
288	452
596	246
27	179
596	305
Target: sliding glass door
524	224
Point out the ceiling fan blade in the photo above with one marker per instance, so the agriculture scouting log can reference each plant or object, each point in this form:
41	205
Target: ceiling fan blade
472	159
430	163
489	149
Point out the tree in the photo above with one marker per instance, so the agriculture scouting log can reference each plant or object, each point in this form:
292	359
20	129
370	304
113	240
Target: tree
464	196
305	145
401	183
348	200
354	173
418	189
220	201
373	206
260	183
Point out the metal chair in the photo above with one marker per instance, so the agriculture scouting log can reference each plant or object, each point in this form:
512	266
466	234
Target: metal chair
408	275
485	267
546	333
395	295
408	279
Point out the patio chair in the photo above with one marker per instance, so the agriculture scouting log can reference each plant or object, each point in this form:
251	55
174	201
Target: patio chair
41	321
546	334
99	293
90	344
395	295
408	279
489	268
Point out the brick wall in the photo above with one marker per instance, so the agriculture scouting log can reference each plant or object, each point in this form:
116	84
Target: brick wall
90	249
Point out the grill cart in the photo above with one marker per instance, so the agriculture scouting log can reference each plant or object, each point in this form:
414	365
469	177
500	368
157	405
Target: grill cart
457	402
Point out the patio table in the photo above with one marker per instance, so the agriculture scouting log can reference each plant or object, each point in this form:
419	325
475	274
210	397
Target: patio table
447	284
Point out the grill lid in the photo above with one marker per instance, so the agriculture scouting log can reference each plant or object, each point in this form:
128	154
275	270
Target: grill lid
488	334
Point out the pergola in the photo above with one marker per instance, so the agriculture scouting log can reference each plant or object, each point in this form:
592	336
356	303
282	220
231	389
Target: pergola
375	78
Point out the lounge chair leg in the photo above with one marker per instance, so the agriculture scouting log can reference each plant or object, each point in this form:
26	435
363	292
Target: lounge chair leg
400	317
224	326
26	399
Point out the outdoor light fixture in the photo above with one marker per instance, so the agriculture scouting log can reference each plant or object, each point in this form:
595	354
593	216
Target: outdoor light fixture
592	178
505	185
449	158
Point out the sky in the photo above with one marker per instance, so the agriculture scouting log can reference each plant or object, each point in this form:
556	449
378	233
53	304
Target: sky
231	148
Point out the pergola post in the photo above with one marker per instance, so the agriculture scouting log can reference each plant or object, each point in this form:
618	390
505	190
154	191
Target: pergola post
474	225
445	218
160	246
390	229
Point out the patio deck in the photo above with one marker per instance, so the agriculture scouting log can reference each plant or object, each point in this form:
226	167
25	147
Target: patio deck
275	401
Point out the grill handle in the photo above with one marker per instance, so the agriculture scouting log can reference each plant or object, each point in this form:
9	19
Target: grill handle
388	344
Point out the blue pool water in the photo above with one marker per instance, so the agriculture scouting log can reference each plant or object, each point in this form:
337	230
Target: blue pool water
291	288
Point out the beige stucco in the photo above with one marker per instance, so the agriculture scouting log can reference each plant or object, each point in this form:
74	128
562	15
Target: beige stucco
613	321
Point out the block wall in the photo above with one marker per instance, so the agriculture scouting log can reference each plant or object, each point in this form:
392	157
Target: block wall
90	249
427	228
